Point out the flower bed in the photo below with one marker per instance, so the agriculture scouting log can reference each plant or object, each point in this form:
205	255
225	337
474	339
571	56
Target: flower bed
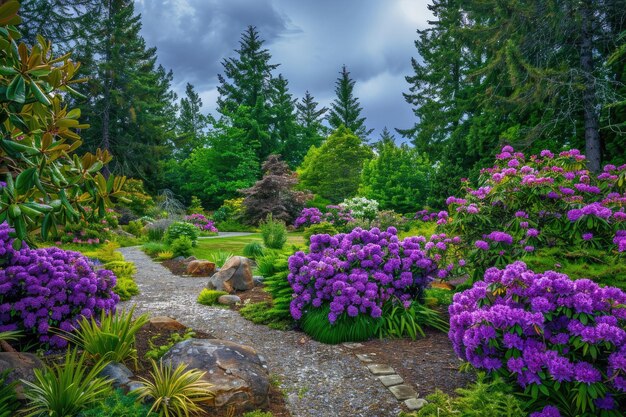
562	341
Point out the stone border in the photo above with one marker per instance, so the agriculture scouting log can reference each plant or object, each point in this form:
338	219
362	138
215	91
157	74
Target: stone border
390	379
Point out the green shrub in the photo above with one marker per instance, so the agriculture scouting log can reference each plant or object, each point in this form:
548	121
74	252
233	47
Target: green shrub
481	399
323	228
261	313
231	225
175	392
8	399
153	248
318	202
274	233
117	404
438	297
165	255
275	269
157	351
66	389
121	268
156	230
135	227
398	321
179	229
112	337
182	246
209	297
126	287
253	250
315	323
258	413
220	257
106	253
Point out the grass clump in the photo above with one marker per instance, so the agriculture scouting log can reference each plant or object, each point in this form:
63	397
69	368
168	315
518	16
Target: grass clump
8	398
315	323
253	250
262	313
220	257
117	404
153	248
209	297
274	233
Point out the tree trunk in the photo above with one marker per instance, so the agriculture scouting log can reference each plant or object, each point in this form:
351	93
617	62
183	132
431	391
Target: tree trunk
592	131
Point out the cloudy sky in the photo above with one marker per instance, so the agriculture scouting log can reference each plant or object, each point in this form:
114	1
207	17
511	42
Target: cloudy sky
310	39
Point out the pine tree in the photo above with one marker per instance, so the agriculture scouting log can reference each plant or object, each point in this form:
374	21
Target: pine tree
309	117
190	125
130	106
345	109
247	84
283	126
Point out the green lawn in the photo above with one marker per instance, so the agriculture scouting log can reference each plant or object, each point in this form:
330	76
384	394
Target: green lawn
235	245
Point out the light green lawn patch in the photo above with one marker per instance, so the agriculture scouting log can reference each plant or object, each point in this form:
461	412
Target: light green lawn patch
235	245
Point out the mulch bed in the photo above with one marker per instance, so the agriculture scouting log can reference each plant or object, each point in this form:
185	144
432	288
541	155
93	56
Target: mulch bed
428	362
146	336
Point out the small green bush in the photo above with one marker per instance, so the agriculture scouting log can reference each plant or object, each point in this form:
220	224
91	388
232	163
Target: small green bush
209	297
315	323
182	246
135	227
258	413
232	225
126	288
438	297
118	405
261	313
220	257
153	248
106	253
253	250
481	399
398	321
179	229
323	228
274	233
156	229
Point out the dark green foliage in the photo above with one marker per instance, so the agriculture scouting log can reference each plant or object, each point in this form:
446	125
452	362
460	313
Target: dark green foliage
182	246
481	399
258	413
315	323
157	351
398	321
157	229
260	313
135	228
153	248
275	268
8	399
274	233
319	229
438	297
178	229
345	110
209	297
118	404
253	250
284	127
190	125
398	177
333	171
311	131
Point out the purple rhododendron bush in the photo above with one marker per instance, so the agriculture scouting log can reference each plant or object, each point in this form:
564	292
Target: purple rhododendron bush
562	341
44	290
524	205
357	272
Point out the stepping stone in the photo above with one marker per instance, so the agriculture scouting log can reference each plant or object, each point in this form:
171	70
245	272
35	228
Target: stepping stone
390	380
378	369
352	345
363	358
403	392
414	404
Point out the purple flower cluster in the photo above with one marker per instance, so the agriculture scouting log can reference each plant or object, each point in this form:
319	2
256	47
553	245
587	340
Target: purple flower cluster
357	272
536	328
201	222
338	216
46	289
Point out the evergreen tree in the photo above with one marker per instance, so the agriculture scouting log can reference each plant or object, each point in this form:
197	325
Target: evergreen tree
130	106
190	125
345	109
247	83
397	177
311	130
333	170
283	126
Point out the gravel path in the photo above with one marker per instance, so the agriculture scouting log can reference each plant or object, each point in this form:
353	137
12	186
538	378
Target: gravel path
320	380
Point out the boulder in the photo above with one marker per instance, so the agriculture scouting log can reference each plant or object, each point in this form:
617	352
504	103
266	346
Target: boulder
118	373
236	274
200	268
229	300
160	323
21	366
238	375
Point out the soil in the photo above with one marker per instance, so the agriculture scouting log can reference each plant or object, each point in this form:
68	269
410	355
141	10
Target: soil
147	338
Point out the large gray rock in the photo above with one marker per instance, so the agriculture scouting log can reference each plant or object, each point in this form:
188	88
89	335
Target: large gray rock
118	373
236	274
236	372
21	366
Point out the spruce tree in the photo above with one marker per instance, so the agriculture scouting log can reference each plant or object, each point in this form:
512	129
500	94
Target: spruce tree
190	125
345	109
283	126
309	117
130	103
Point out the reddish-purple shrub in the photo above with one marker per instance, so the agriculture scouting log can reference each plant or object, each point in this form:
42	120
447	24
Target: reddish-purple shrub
46	289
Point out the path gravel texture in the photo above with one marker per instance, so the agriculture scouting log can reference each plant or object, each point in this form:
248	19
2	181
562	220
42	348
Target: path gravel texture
320	380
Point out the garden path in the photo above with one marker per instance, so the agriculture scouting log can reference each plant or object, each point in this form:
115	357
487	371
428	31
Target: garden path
320	380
